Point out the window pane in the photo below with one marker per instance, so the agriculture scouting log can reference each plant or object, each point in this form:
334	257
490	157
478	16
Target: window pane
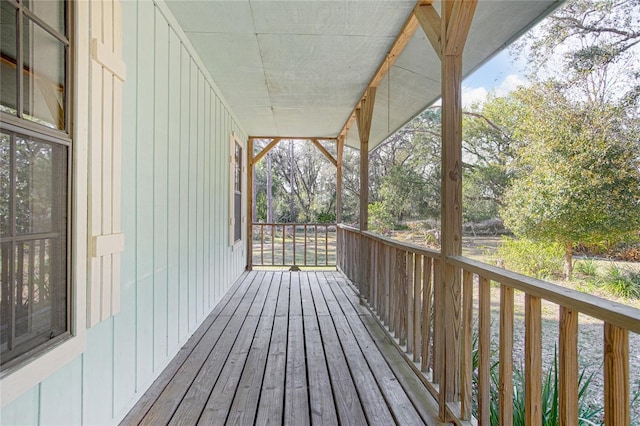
40	180
52	12
33	264
44	71
8	59
5	183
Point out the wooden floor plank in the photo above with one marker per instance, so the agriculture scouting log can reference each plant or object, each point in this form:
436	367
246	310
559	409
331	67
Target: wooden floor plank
169	396
224	391
296	402
144	404
347	401
271	404
245	403
321	400
288	348
403	391
373	401
195	399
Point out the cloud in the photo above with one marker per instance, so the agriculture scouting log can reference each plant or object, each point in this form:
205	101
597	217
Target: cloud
477	95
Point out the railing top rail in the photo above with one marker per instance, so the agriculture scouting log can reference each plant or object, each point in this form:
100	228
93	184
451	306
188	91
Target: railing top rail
614	313
293	224
414	248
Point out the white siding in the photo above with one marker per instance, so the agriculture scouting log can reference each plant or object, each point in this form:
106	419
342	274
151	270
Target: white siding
177	263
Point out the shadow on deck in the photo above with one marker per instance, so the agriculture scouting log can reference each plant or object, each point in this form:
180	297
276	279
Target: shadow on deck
287	348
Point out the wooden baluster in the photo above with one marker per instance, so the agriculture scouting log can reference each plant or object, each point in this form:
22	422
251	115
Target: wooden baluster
505	387
326	245
387	285
294	243
273	244
315	242
533	360
484	351
305	245
568	367
417	303
426	313
409	301
393	279
261	244
401	290
616	375
284	251
437	321
466	355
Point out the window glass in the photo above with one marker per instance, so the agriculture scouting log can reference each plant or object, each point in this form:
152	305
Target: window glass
52	12
33	259
8	59
44	70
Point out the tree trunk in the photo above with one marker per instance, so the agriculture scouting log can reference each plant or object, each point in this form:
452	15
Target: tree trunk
269	209
568	261
291	180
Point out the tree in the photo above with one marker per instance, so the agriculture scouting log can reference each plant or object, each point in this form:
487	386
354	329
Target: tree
488	150
593	45
577	171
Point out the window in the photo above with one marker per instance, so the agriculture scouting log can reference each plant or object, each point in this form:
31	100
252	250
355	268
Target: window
35	153
236	191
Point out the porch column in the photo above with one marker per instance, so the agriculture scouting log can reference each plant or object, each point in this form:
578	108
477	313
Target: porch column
250	172
363	118
340	147
447	34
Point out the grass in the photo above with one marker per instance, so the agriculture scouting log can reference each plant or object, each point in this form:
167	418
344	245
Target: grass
619	282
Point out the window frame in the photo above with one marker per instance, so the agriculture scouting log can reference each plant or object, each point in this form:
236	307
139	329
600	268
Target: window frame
235	141
36	365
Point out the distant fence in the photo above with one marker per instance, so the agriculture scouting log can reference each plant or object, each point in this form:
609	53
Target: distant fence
294	244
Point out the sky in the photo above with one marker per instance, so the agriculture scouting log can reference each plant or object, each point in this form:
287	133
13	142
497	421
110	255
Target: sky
501	75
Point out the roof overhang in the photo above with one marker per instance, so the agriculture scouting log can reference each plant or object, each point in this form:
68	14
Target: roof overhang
299	68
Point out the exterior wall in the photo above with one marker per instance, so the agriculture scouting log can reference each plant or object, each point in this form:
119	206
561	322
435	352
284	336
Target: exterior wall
177	262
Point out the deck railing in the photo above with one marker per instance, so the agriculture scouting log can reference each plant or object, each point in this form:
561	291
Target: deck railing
294	244
400	283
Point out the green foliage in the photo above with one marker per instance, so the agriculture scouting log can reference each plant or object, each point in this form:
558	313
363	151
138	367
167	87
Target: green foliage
587	267
380	220
531	258
587	414
325	217
619	282
577	171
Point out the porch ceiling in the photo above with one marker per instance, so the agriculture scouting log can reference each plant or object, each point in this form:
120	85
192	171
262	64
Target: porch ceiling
298	68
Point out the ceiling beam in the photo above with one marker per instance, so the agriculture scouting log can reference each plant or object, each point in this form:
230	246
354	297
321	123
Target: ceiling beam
325	152
399	44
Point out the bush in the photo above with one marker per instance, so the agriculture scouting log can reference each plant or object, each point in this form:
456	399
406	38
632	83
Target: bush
620	282
531	258
380	220
587	267
587	414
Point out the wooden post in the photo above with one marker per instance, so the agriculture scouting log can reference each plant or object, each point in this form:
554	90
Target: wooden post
363	117
339	180
250	171
447	34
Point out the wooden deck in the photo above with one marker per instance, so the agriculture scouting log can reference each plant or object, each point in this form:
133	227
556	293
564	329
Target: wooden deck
287	348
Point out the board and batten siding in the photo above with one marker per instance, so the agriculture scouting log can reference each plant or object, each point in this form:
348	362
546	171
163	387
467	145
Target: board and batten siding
177	262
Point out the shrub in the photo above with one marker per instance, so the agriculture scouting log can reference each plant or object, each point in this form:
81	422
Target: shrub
380	220
620	282
535	259
587	267
587	413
